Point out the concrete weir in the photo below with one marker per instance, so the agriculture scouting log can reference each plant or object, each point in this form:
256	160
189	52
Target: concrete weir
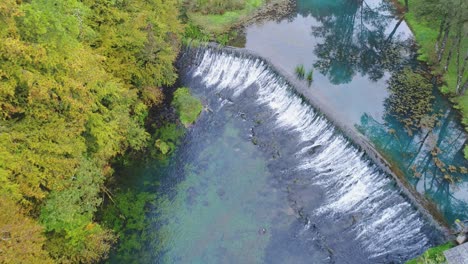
457	255
427	208
315	154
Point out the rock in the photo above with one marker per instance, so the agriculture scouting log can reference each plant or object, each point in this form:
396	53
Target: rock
461	238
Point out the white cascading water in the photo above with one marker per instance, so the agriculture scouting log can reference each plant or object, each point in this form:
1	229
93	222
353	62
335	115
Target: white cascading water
353	185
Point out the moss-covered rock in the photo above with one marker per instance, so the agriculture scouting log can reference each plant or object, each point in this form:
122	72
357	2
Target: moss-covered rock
433	255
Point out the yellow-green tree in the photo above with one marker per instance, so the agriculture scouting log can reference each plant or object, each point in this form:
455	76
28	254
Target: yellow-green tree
21	238
76	81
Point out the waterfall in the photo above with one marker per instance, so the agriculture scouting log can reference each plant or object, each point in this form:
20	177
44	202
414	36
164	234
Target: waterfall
386	224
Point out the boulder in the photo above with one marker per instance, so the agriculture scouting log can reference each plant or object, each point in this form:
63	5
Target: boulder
461	238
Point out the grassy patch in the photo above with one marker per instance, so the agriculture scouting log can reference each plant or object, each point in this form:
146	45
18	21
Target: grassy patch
426	33
433	255
188	107
195	35
219	23
193	32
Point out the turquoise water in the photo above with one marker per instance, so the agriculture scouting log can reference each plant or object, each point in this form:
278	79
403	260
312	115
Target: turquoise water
413	155
220	211
213	202
354	47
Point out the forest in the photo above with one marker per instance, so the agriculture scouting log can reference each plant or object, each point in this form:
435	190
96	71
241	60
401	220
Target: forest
77	81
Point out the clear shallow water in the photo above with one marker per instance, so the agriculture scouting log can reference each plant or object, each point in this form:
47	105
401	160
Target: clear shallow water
221	207
263	178
354	47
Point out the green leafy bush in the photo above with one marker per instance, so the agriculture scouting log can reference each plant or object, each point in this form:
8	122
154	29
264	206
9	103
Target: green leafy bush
187	106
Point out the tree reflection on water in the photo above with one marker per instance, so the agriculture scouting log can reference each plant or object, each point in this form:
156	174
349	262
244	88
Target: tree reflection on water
356	39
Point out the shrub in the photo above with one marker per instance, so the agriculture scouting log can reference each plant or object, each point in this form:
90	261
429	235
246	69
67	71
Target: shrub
187	106
300	71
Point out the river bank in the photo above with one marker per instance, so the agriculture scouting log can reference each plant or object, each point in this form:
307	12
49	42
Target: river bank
227	27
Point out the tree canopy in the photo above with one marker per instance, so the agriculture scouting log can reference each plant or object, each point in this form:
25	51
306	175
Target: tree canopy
76	81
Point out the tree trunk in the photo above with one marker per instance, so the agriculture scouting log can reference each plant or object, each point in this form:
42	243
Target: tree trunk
395	29
444	42
456	44
441	30
458	53
429	131
406	5
461	72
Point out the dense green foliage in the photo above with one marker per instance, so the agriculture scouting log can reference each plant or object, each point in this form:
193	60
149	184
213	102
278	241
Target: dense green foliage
187	106
441	30
433	255
193	32
76	81
21	237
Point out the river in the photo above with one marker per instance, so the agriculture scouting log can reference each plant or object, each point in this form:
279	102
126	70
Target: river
264	177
